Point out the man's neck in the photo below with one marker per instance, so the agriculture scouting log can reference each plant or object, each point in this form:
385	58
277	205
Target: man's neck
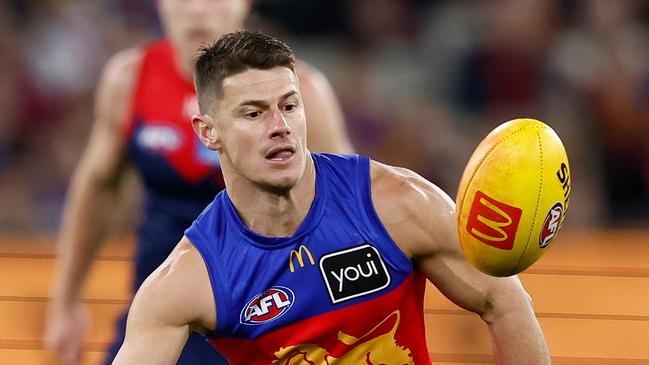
276	215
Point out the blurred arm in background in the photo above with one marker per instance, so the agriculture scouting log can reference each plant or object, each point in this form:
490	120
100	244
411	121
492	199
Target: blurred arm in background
90	203
326	126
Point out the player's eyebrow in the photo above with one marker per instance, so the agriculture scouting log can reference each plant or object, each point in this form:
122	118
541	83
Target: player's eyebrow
257	103
263	103
289	94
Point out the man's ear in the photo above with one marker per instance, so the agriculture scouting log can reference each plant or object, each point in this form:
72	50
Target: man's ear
204	128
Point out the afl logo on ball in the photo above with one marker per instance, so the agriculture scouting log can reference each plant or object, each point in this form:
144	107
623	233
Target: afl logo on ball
267	306
551	225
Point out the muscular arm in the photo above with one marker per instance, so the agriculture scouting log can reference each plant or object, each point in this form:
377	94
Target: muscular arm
175	300
421	219
325	121
91	198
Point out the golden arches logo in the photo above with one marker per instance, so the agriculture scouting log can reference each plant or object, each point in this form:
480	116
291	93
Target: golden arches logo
300	258
493	222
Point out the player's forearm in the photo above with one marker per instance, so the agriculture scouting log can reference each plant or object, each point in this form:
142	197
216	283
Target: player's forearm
516	335
85	222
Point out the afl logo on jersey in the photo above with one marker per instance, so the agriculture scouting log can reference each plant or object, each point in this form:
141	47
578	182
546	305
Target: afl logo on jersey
267	306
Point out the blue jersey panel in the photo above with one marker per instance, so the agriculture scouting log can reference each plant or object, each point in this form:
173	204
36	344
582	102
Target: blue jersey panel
339	256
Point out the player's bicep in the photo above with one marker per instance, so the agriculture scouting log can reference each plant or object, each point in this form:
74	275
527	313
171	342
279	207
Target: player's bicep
449	271
435	251
153	335
420	217
173	301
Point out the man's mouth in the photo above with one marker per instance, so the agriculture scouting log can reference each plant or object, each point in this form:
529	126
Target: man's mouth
280	153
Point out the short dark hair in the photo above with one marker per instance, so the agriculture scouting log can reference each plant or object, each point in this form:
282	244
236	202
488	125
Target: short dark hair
234	53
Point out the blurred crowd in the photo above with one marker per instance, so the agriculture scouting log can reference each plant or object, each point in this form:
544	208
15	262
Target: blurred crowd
421	83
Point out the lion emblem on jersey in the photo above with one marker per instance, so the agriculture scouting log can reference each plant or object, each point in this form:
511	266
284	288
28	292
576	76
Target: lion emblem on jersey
377	346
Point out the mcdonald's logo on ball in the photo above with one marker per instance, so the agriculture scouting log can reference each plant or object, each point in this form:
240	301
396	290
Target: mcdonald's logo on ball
493	222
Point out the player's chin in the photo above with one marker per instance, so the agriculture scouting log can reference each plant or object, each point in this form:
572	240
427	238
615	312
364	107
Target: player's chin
280	185
281	174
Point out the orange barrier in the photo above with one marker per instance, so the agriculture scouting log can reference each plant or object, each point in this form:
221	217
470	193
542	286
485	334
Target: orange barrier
591	295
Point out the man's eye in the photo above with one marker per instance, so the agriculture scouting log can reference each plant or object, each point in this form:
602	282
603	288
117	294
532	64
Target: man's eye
289	107
253	115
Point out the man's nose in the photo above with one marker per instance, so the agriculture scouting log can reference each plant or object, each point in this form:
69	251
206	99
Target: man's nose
279	127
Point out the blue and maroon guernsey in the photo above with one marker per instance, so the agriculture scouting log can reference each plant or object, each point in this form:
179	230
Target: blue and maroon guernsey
180	175
339	291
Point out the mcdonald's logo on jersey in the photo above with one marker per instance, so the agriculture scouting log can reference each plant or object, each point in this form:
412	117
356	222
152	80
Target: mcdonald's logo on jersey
493	222
299	254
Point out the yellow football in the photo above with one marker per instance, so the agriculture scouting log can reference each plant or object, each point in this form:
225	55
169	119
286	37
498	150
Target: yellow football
513	197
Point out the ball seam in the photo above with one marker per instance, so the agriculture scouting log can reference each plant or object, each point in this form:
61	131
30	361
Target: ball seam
538	202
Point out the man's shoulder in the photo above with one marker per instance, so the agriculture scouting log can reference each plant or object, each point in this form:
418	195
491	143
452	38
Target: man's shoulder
184	275
116	87
120	72
124	65
125	61
395	180
410	207
405	186
386	179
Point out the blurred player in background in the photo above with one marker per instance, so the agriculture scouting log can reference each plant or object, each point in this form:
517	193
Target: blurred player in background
144	103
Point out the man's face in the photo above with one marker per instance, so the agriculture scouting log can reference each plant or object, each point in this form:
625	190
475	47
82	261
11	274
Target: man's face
192	23
261	127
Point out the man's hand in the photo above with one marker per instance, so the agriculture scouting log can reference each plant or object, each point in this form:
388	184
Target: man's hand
65	327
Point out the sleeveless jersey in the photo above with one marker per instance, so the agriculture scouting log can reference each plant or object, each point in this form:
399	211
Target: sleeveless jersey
180	175
339	291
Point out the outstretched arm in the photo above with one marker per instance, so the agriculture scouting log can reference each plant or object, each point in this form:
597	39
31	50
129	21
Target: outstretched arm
420	217
92	195
175	300
325	120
